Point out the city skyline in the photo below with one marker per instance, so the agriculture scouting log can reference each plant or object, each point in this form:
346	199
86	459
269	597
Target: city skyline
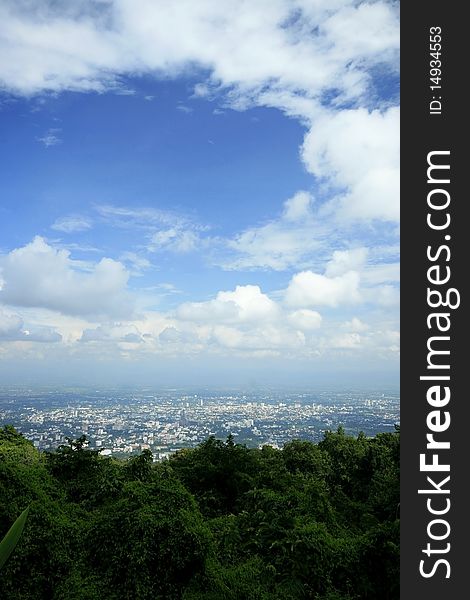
123	422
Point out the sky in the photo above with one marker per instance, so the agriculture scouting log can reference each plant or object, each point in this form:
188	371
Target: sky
199	192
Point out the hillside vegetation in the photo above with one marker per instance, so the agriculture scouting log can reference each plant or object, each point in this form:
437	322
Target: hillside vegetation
217	522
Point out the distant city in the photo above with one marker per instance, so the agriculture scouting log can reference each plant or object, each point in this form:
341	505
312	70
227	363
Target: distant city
121	422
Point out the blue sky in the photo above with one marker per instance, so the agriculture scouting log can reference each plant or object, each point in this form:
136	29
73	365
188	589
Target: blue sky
130	151
218	204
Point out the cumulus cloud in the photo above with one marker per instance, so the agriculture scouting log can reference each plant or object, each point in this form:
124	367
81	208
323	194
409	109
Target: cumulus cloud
343	261
357	151
311	289
247	322
245	304
305	319
39	275
72	224
269	337
379	282
244	322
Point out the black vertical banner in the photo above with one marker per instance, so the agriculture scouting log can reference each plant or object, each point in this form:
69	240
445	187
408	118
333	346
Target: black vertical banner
435	509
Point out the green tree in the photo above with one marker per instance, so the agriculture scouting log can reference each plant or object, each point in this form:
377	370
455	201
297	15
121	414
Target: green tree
44	552
149	543
218	473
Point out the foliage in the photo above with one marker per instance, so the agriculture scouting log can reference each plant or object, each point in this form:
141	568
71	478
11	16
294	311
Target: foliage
7	545
220	521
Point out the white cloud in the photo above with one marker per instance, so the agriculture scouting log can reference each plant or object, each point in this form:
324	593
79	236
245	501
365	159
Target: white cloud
230	337
387	296
279	244
138	263
346	260
305	319
345	341
41	276
170	335
299	45
311	289
388	340
382	273
346	25
298	207
270	246
301	237
357	151
243	322
245	304
175	240
355	325
72	224
268	337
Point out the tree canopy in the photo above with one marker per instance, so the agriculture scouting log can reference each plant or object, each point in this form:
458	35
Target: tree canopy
220	521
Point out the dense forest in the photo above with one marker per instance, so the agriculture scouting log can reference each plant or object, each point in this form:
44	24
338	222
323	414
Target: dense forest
220	521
